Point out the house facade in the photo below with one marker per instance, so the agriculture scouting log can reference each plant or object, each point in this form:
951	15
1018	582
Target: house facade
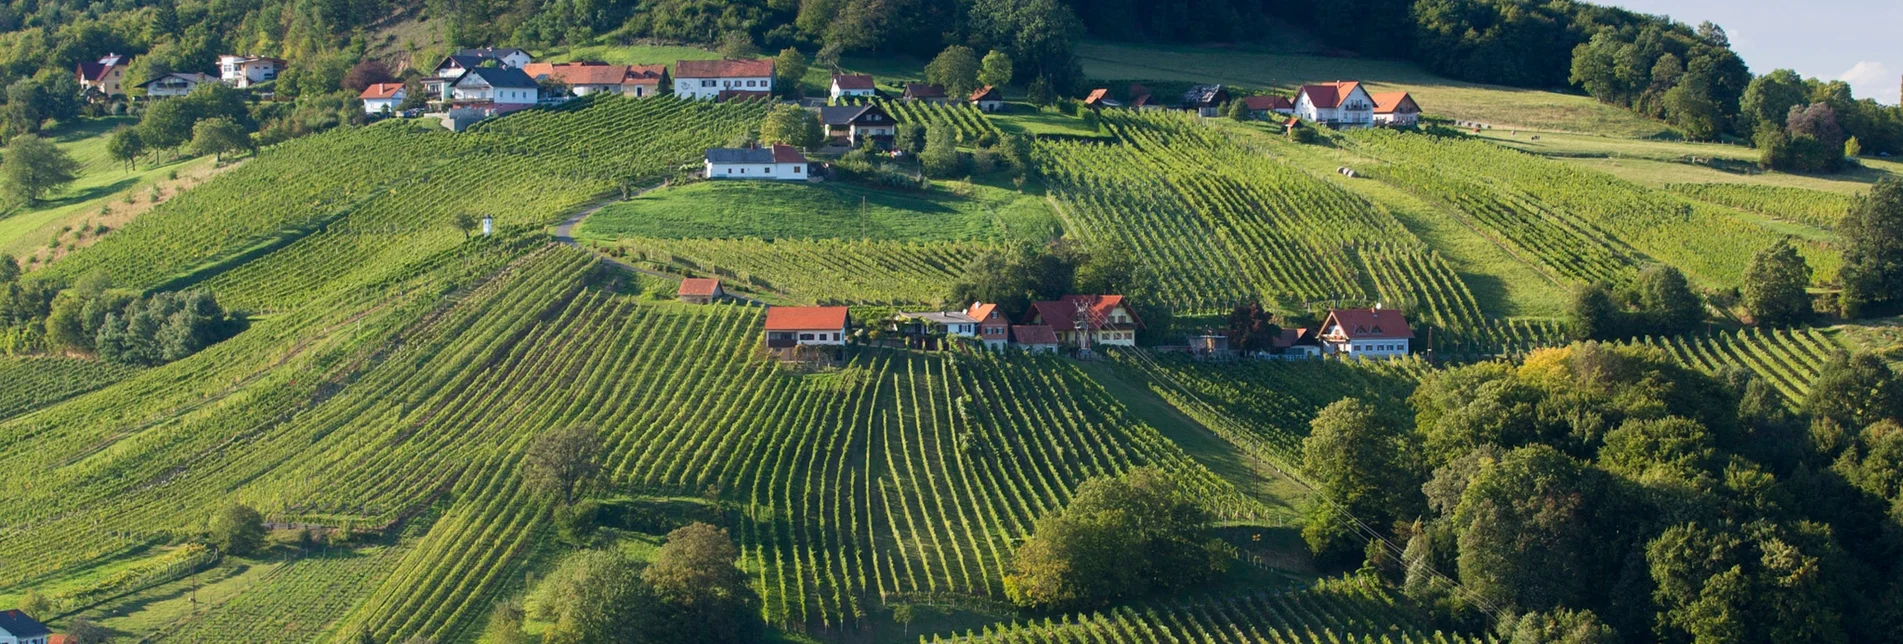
644	81
696	290
1035	338
175	84
587	78
1088	320
994	328
847	85
502	89
442	80
1365	333
1338	104
1396	109
1205	100
948	323
777	163
382	98
988	99
706	79
104	77
855	123
507	56
245	71
805	326
16	627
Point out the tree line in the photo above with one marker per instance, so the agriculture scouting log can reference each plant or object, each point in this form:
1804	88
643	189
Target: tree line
90	318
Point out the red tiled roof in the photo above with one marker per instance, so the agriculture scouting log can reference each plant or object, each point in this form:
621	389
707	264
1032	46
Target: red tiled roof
922	90
787	154
854	81
1369	324
1265	103
753	68
699	286
640	74
586	73
1327	95
1388	102
380	90
805	318
1097	96
1292	337
987	93
980	310
1033	334
1061	314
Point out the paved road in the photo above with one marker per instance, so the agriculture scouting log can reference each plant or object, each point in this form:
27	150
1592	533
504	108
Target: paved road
565	233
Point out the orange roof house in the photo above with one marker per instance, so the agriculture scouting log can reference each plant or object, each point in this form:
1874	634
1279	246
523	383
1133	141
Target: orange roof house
695	290
792	326
1395	108
381	91
1375	332
1340	103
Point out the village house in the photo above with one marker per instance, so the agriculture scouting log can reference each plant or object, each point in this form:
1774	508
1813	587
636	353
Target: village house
852	124
804	326
382	98
175	84
1035	338
498	90
1205	100
443	78
988	99
923	92
696	290
1338	104
947	323
587	78
1088	320
722	79
104	77
779	162
1100	99
245	71
506	56
994	328
1265	107
1396	109
16	627
845	85
1365	333
1296	342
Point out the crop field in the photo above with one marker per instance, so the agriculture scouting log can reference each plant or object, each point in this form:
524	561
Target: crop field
297	601
959	115
831	210
1817	208
1342	610
822	271
29	383
1788	359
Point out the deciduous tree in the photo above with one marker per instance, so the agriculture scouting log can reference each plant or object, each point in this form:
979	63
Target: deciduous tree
560	461
955	69
1872	234
704	596
1773	290
34	167
996	69
237	529
218	136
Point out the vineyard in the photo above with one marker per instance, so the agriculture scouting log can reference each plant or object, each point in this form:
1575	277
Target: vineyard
1814	207
814	271
961	116
1579	224
1788	359
29	383
1333	611
298	601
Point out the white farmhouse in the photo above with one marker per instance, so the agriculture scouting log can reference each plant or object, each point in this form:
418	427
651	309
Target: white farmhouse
779	163
1395	108
501	89
175	84
1338	104
852	85
17	627
802	326
507	56
1366	333
711	79
245	71
382	98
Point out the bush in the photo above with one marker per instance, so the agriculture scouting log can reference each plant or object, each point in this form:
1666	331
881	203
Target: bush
237	529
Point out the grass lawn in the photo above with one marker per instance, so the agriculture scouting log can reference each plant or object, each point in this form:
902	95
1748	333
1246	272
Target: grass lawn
25	231
1656	163
1025	118
732	209
632	54
1500	106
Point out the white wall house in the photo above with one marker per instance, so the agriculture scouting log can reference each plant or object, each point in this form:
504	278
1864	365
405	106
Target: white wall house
845	85
1088	319
175	84
381	98
507	56
1375	333
504	88
1340	104
245	71
804	326
1395	108
777	163
16	627
706	79
951	323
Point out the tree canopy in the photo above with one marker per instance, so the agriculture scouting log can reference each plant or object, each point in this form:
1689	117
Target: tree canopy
1120	538
34	167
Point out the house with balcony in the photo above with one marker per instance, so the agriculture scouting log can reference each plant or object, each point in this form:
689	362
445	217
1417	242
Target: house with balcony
104	77
245	71
1374	333
709	79
175	84
1338	104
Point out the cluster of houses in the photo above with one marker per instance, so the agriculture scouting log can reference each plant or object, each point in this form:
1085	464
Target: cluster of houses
105	78
1080	321
1336	104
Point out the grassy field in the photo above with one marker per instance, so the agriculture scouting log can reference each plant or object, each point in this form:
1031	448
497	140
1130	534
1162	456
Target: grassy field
1502	107
831	210
103	183
1657	163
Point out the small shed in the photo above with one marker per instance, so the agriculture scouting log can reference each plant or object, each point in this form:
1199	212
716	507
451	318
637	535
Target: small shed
988	99
1205	100
697	290
924	92
1100	98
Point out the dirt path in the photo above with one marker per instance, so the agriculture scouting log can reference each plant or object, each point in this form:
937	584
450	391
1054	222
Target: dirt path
565	234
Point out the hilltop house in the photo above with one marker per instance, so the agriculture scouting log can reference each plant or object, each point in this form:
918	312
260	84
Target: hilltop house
1035	338
988	99
381	98
803	326
695	290
1369	333
245	71
853	123
709	79
1088	319
452	68
586	78
17	627
993	327
498	89
1395	108
174	84
1263	107
1338	104
845	85
924	92
1205	100
104	77
780	162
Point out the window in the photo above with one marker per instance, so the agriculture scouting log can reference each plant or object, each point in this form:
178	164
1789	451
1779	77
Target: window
768	169
796	169
707	83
